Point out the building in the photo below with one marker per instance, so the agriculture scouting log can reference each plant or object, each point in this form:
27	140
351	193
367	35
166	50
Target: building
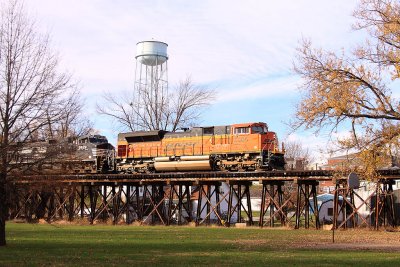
325	208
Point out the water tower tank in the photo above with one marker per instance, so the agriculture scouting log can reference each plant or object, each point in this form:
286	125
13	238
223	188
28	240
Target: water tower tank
151	53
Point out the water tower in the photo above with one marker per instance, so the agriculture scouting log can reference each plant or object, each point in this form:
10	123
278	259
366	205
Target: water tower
151	77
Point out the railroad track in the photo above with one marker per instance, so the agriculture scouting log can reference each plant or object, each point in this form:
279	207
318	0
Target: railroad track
195	176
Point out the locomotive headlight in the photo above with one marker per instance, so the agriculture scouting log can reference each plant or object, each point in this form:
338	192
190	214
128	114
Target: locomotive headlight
255	147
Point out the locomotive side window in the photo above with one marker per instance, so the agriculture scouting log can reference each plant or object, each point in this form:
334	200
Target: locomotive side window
242	130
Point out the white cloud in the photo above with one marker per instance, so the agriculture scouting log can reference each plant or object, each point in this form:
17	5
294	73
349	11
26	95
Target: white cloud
211	40
261	89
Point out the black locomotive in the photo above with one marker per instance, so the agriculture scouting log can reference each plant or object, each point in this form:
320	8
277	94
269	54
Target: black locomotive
86	154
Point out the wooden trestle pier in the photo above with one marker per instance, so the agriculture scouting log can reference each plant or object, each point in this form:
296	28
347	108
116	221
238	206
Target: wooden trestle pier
198	198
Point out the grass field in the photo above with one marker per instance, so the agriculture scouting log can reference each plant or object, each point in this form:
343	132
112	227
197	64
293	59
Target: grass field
103	245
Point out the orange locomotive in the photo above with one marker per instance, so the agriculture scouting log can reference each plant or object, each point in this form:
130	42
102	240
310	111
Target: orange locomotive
237	147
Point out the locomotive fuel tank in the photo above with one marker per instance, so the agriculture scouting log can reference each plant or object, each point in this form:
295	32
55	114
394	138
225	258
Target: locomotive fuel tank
183	163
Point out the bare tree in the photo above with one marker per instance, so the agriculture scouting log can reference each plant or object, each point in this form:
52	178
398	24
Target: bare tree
295	149
119	108
33	92
187	103
354	91
296	155
181	108
73	123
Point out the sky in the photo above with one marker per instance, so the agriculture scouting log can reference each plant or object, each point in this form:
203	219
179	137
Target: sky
243	49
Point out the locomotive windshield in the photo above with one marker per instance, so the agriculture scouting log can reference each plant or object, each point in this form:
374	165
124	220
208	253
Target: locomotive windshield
259	129
98	140
93	139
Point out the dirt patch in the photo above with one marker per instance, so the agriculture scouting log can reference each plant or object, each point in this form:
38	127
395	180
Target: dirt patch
247	244
42	221
357	239
353	240
63	222
364	247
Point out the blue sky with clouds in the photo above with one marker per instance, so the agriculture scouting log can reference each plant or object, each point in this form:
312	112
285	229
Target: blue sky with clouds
244	49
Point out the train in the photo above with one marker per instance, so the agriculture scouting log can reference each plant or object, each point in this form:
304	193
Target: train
85	154
234	148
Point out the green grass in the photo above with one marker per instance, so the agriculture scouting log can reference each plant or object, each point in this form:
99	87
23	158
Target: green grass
103	245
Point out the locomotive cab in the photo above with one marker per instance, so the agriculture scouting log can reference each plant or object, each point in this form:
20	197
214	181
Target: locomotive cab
95	153
259	144
250	128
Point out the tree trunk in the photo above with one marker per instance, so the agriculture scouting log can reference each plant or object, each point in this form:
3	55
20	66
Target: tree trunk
3	209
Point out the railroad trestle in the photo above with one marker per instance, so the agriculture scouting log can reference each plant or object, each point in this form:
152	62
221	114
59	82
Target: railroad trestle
287	199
